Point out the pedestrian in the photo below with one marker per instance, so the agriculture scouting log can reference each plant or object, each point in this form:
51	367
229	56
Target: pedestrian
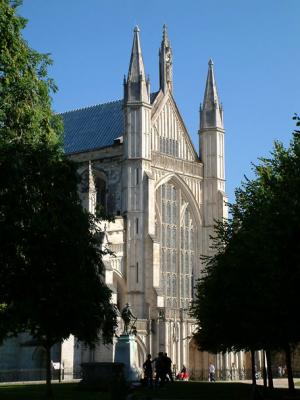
148	372
160	370
212	372
183	374
168	366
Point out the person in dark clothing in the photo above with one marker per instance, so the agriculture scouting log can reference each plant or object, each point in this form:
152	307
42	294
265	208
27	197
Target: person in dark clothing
160	370
148	373
168	366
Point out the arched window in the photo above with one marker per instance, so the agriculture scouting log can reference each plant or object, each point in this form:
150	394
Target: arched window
101	190
177	247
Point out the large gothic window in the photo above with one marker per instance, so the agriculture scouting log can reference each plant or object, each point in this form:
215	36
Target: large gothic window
177	247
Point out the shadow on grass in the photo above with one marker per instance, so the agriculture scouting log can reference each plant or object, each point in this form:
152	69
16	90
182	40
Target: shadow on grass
210	391
62	391
176	391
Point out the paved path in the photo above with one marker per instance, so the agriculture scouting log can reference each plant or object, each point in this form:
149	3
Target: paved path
38	382
278	382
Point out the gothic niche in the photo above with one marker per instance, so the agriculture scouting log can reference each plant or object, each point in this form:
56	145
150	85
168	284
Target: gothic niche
177	240
169	67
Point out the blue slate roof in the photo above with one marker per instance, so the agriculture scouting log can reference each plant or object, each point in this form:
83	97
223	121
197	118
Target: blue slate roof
94	127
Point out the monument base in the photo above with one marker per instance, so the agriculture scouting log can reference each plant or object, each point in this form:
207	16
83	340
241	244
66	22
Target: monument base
126	352
102	375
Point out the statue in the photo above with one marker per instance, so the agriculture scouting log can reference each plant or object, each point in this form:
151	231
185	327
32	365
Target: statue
129	320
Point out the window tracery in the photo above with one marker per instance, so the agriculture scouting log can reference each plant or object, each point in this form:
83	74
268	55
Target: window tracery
177	247
101	191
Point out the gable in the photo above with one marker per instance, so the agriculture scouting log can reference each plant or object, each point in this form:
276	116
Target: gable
169	135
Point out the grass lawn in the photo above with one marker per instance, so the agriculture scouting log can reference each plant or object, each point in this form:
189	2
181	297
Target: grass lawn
206	391
62	391
176	391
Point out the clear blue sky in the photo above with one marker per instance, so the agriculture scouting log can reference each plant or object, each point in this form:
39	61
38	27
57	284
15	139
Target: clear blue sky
254	45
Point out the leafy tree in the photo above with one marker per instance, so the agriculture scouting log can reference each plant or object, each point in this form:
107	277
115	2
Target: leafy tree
25	104
51	281
249	294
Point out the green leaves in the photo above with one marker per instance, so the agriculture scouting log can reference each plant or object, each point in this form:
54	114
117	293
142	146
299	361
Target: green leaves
51	267
25	104
252	281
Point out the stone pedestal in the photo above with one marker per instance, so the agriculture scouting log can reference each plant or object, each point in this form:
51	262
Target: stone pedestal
102	375
126	352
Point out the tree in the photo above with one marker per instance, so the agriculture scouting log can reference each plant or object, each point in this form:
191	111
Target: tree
25	107
252	281
51	271
56	287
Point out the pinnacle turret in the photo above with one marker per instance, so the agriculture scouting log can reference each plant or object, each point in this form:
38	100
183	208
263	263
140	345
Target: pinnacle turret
136	66
165	63
136	88
211	111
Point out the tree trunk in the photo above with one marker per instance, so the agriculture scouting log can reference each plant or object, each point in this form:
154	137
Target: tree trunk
48	371
288	361
253	372
269	369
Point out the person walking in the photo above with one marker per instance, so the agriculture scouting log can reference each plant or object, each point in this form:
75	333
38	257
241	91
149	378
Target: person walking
148	372
160	370
168	366
212	372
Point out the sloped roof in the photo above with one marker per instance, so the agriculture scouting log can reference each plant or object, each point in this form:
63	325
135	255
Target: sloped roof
94	127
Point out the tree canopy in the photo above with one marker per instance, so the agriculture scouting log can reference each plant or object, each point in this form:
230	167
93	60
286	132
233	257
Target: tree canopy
248	296
51	270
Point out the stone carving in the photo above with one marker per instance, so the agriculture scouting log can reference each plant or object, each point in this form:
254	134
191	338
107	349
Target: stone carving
178	165
169	67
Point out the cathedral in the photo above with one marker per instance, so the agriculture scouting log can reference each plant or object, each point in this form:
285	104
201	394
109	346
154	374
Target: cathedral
139	165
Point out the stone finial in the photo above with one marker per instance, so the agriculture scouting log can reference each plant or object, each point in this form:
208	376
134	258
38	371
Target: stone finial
211	112
135	89
165	63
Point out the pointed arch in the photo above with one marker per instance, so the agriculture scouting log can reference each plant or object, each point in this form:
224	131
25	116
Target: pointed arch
142	349
101	187
179	182
179	233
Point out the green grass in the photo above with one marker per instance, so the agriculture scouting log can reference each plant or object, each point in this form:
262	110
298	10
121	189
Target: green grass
63	391
177	391
206	391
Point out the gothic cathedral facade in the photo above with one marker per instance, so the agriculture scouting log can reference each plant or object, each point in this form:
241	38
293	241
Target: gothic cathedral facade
139	163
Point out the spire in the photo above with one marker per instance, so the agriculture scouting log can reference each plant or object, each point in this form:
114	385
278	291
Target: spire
136	88
136	66
165	63
211	111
